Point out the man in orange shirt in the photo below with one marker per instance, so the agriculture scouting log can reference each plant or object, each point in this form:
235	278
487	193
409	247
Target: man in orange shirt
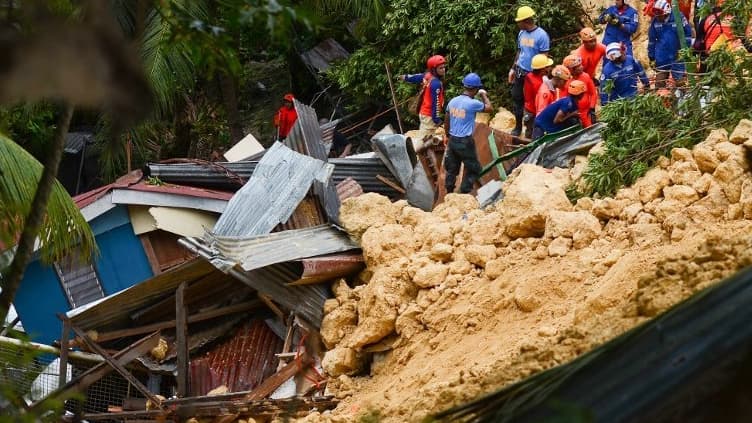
285	117
586	104
552	89
591	52
533	80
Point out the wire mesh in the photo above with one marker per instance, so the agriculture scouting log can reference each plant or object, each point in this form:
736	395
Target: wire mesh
28	374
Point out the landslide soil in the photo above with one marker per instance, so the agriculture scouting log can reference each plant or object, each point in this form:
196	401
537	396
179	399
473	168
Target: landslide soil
460	301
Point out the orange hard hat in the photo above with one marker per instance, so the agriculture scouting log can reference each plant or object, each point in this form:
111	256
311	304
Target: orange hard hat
576	87
288	97
572	61
561	72
587	34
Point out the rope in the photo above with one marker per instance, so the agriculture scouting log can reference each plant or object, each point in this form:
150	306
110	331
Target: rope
319	381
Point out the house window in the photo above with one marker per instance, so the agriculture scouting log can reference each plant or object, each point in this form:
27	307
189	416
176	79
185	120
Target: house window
79	280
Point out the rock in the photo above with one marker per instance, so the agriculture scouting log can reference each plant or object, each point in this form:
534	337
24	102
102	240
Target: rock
579	224
706	158
734	212
684	173
646	234
681	155
683	194
455	205
387	243
745	199
584	204
663	162
357	214
732	152
486	229
643	218
339	323
342	291
431	275
729	176
559	247
547	331
608	208
651	185
460	267
330	305
479	255
702	185
666	208
528	199
342	361
408	322
630	212
434	231
495	268
712	206
630	194
742	132
715	136
442	252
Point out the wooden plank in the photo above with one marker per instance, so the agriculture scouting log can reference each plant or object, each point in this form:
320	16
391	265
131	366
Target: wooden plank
117	366
198	317
391	184
63	364
123	415
274	381
181	340
272	306
151	256
100	370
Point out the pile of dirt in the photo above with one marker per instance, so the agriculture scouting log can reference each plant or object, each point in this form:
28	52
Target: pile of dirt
461	301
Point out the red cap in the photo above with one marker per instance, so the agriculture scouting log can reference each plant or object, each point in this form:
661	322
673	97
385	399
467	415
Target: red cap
288	97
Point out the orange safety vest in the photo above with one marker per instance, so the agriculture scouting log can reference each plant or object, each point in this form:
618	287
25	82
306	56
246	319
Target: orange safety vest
426	98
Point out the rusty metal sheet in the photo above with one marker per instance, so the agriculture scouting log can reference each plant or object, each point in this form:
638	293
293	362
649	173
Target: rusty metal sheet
348	188
308	213
241	362
324	268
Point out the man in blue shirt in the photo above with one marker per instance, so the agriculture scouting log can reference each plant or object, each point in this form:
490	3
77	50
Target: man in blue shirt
460	124
562	113
621	22
624	70
531	40
664	44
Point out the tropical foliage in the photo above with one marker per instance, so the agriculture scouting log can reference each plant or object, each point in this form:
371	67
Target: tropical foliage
478	36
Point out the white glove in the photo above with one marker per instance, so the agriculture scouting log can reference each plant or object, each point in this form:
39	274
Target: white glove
482	92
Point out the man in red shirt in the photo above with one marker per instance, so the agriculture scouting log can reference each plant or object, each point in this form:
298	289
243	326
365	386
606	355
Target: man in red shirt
285	117
552	89
533	80
591	52
586	104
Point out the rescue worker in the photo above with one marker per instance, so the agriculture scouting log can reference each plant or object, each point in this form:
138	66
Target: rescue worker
663	45
460	124
624	70
590	51
552	88
589	99
285	117
560	114
531	40
621	22
717	30
431	100
533	80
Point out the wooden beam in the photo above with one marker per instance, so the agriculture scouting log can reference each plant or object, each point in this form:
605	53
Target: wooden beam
79	384
10	326
123	415
181	340
198	317
63	363
391	184
117	366
151	256
272	306
274	381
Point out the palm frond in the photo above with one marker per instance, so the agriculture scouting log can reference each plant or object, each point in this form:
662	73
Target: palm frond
64	228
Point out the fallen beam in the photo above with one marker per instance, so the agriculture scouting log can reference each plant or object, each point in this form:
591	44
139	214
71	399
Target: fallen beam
198	317
274	381
97	372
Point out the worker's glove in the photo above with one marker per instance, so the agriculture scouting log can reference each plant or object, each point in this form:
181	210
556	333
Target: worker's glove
482	92
652	64
614	20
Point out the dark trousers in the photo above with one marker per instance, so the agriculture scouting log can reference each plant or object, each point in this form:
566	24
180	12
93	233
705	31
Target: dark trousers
461	150
518	96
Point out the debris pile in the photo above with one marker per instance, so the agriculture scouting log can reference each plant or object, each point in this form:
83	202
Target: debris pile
460	301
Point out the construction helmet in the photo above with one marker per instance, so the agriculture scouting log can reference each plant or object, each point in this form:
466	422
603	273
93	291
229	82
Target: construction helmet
435	61
572	61
524	12
541	61
472	80
587	34
561	72
576	87
614	50
662	7
288	97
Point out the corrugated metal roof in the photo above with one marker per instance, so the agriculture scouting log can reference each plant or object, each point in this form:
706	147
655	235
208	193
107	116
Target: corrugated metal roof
326	52
280	181
308	123
241	362
308	214
348	188
262	250
75	141
113	310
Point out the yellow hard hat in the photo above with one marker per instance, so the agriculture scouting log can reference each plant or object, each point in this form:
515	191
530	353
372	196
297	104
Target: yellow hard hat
524	12
541	61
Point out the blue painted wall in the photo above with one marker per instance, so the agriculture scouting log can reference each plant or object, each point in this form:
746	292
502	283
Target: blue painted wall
121	263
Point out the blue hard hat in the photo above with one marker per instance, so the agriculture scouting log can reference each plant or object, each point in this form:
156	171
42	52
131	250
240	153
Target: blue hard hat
472	80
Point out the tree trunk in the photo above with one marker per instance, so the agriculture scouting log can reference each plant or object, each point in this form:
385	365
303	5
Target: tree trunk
37	213
230	98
